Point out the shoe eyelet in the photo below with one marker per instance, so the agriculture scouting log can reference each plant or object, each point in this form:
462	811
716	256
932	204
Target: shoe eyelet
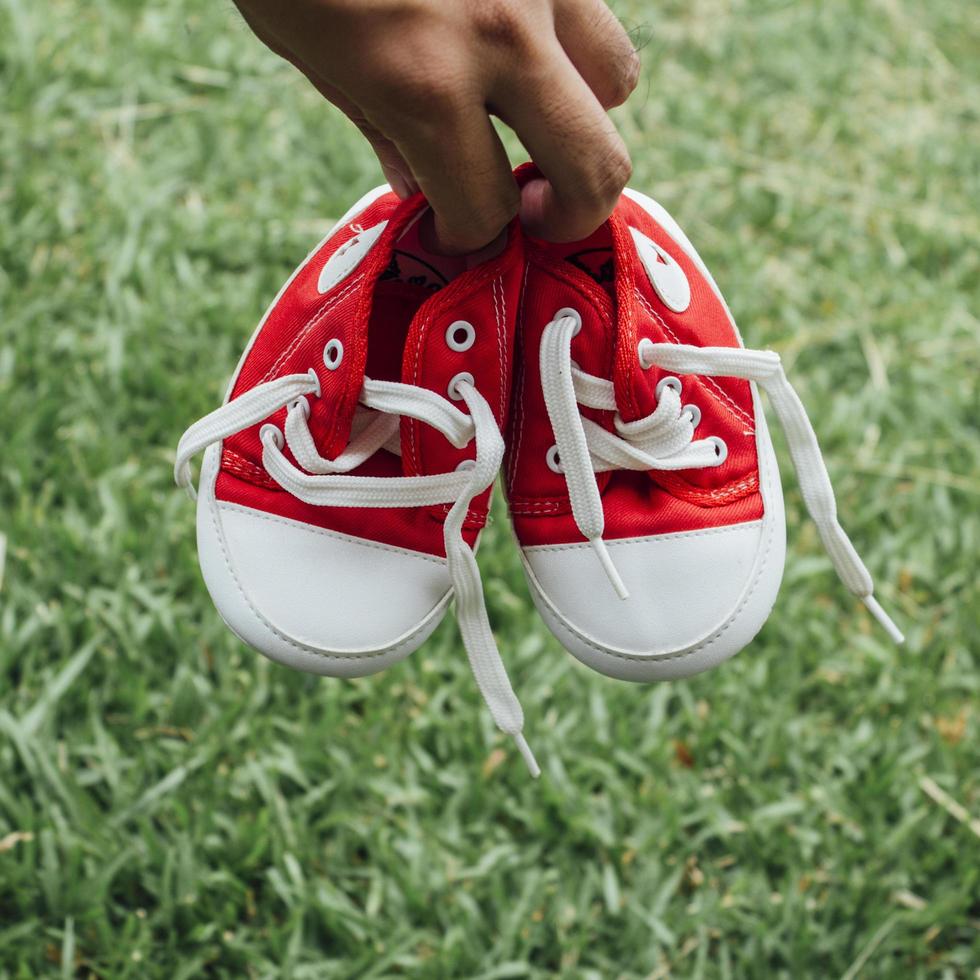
721	449
273	433
315	378
466	465
333	354
574	314
460	336
300	405
464	377
646	344
668	382
554	460
695	414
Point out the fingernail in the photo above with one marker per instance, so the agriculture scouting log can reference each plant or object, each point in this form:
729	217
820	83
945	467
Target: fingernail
533	207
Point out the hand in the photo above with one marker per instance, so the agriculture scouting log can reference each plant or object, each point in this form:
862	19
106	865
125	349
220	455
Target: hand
420	79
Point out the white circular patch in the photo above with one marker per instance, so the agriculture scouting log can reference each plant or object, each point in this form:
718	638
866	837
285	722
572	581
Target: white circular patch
348	257
665	274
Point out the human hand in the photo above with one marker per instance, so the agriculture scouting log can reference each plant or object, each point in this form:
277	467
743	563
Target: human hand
420	78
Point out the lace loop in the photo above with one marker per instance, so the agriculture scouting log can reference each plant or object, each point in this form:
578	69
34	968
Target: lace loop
328	483
664	440
243	412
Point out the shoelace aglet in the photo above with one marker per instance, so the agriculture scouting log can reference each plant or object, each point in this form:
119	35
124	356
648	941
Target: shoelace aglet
605	559
527	754
874	607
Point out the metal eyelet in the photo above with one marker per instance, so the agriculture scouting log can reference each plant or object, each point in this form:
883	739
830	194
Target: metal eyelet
695	414
574	314
721	449
273	433
554	460
466	465
300	405
333	354
463	377
460	336
669	382
646	344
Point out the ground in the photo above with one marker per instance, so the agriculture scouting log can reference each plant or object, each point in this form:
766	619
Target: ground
172	805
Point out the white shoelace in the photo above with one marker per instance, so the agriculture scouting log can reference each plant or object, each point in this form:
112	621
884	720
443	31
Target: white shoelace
376	426
664	440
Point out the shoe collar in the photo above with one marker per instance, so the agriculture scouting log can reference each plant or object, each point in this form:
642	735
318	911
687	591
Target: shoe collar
366	246
654	285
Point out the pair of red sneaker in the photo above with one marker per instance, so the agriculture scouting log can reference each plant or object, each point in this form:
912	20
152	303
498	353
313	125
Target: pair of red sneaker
348	475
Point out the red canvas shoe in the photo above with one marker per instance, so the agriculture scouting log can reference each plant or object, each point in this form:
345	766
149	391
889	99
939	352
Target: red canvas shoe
347	476
641	479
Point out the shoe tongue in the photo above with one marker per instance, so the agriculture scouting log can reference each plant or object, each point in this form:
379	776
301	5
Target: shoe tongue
395	304
593	256
483	295
374	313
413	276
400	275
413	262
634	394
602	268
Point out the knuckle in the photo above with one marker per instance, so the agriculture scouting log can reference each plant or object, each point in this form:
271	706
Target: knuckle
625	80
422	92
412	77
502	23
420	100
491	220
607	178
464	238
474	204
438	97
482	226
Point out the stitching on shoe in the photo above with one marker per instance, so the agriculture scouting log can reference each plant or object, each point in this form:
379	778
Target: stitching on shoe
539	507
245	469
704	644
620	542
719	393
678	489
500	313
327	532
413	424
314	321
519	384
689	493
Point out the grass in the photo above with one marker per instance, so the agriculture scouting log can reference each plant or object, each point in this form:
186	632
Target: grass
172	805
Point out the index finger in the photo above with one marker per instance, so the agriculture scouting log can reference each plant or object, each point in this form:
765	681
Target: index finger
573	142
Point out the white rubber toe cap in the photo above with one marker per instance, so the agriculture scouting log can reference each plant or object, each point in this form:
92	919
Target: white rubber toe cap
696	598
313	599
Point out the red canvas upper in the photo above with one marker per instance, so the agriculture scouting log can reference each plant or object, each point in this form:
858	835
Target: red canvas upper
392	323
603	279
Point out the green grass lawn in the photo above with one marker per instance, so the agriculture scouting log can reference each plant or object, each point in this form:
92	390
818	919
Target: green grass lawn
172	805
